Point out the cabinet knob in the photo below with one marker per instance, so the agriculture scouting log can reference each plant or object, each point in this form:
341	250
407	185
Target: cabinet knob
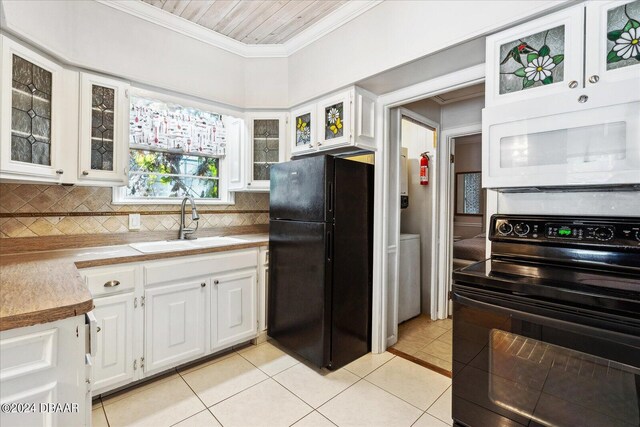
582	99
203	284
248	183
215	282
594	79
310	145
319	144
111	284
59	171
99	329
573	84
85	173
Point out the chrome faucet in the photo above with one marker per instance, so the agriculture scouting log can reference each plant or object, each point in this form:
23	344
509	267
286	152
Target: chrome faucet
184	232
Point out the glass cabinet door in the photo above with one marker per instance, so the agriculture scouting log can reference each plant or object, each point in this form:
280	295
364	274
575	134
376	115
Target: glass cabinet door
303	130
103	130
335	114
30	97
266	147
540	57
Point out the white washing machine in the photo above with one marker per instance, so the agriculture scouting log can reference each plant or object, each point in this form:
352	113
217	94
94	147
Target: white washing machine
409	271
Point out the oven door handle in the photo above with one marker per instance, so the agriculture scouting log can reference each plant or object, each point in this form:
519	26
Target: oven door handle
545	320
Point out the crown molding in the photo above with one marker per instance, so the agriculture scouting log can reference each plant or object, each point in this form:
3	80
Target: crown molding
347	12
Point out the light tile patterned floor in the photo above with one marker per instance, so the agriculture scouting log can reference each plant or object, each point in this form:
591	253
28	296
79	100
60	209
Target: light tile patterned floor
264	386
427	340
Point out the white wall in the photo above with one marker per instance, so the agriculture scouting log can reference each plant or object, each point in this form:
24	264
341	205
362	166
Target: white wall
91	35
394	33
416	218
462	113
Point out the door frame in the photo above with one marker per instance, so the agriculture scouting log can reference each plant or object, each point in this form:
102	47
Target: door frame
444	254
384	104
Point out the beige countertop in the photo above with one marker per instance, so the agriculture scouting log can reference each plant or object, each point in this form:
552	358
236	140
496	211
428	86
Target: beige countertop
40	287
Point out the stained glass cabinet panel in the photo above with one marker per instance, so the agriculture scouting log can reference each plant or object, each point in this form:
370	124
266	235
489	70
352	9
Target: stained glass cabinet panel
303	135
334	118
538	58
30	126
266	145
104	132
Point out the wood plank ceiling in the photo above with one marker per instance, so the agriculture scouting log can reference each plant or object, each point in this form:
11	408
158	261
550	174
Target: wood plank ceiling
252	21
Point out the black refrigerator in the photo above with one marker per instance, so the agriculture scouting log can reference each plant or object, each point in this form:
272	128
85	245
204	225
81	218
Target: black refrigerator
320	258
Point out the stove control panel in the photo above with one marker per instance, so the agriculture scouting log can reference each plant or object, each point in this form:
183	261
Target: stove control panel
598	231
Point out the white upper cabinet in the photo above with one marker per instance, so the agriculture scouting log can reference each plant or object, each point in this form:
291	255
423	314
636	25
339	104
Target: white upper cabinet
104	129
538	58
342	120
31	106
266	146
612	42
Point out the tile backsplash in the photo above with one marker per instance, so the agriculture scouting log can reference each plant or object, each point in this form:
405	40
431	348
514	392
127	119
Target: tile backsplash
29	210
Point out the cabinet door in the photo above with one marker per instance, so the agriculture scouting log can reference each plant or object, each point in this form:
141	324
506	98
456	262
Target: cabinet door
235	153
613	43
364	120
30	131
303	130
263	289
174	324
113	364
335	115
104	129
537	58
266	138
233	308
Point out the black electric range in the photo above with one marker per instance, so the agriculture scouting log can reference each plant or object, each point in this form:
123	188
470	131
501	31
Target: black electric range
547	331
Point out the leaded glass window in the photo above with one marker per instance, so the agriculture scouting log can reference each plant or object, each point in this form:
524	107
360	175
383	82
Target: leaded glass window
623	36
30	113
303	129
334	117
266	147
532	61
469	195
102	129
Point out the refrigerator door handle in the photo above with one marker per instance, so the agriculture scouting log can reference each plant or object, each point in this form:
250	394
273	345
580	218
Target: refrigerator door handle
329	246
330	198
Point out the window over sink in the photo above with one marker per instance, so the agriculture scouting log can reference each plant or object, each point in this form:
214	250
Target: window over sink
175	150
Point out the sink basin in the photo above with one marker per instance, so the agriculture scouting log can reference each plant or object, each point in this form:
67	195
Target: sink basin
208	242
163	246
184	245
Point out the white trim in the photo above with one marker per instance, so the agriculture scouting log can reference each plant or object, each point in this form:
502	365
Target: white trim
444	252
345	13
466	77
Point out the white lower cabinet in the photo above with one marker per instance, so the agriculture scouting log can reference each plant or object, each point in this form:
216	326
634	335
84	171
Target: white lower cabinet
233	308
175	318
42	367
114	362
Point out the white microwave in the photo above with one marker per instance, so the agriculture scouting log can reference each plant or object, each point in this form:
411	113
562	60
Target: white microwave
543	143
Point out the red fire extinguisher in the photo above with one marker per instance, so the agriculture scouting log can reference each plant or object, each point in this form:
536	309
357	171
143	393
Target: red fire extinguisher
424	169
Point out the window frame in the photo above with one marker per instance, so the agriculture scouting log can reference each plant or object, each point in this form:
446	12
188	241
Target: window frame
226	197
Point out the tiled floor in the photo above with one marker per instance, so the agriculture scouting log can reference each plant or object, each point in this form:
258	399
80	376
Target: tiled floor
427	340
263	386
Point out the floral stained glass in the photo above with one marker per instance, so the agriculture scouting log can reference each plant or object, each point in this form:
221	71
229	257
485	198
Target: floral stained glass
154	174
334	116
532	61
102	116
623	36
266	147
303	129
30	113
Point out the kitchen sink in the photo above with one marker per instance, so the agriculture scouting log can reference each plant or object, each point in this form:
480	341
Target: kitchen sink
184	245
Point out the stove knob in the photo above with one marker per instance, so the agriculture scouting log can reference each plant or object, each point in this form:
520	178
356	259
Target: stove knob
521	229
603	233
638	236
505	228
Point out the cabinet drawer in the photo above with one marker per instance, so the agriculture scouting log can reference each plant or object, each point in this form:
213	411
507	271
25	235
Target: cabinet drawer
110	281
184	268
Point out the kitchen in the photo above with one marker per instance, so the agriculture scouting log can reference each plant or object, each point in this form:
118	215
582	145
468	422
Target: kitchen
105	306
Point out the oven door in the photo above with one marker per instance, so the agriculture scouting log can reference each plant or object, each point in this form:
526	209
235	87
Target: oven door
519	361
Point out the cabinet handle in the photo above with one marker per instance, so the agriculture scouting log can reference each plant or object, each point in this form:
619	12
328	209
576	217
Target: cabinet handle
248	183
594	79
85	173
582	99
99	329
319	144
203	284
215	282
59	171
573	84
111	284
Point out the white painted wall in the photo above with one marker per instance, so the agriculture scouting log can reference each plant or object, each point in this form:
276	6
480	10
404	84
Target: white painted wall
394	33
462	113
91	35
416	218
